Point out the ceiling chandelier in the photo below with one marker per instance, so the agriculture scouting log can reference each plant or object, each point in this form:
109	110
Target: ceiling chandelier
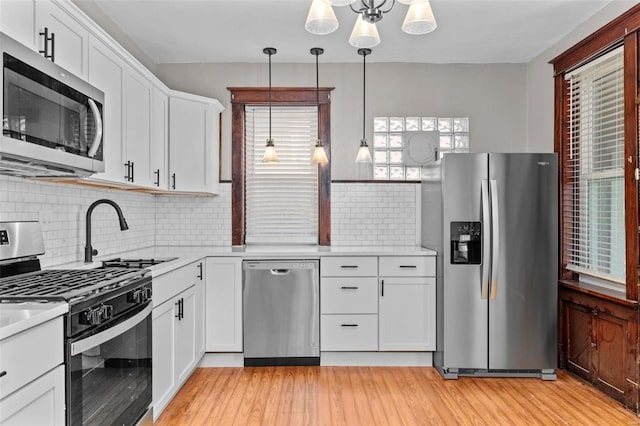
322	20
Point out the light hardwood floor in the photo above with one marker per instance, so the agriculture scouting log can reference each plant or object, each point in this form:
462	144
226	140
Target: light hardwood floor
384	396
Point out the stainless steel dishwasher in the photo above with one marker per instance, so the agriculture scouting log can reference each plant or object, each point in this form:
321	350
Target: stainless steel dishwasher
281	312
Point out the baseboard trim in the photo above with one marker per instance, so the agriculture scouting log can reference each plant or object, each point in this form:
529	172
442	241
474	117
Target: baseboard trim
378	359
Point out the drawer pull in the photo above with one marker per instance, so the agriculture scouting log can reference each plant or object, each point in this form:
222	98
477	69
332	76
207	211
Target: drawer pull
348	325
349	266
408	266
344	287
3	373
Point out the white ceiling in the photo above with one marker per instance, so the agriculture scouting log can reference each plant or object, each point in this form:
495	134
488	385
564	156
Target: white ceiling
469	31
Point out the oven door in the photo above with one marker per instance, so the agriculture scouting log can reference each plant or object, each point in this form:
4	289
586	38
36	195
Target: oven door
109	372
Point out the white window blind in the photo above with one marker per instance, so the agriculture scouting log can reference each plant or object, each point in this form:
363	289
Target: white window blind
281	199
596	165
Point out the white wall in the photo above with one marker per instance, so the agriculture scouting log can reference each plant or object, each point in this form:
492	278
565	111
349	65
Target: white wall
491	95
540	86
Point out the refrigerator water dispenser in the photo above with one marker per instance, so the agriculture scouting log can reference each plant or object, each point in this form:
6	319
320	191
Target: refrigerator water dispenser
465	243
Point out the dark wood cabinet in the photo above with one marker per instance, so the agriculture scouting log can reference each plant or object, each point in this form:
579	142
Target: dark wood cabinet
598	341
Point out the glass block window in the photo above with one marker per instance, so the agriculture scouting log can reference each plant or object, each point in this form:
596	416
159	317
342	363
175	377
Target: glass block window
388	136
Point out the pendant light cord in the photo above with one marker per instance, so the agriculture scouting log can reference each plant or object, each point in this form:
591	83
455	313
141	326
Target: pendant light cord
318	91
364	92
270	96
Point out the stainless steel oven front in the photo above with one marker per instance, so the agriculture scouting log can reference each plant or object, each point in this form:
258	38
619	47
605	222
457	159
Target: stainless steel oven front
109	371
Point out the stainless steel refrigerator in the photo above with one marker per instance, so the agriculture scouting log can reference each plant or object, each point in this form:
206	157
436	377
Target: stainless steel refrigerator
493	219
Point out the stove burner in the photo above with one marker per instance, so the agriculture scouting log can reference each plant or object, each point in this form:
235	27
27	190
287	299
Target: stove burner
66	284
135	263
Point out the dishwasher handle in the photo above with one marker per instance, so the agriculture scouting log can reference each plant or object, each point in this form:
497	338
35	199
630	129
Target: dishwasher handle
280	271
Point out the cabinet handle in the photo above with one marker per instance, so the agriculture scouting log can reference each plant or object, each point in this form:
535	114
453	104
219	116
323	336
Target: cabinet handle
408	266
129	176
132	172
3	373
349	266
173	180
157	177
48	39
200	271
178	305
348	288
181	308
382	290
348	325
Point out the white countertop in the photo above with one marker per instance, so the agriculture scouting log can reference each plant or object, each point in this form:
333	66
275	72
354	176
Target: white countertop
18	317
188	254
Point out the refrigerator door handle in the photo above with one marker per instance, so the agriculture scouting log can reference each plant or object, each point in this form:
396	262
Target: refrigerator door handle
495	239
486	239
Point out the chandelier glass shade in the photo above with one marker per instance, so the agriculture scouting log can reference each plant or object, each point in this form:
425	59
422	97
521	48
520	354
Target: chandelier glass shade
322	20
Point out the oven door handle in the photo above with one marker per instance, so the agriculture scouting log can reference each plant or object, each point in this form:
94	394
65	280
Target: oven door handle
103	337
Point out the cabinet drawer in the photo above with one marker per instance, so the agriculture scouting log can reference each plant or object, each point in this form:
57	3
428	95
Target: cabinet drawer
349	266
30	354
349	333
349	295
168	285
407	266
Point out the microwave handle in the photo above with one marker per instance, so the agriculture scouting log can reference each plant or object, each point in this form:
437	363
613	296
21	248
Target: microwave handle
98	137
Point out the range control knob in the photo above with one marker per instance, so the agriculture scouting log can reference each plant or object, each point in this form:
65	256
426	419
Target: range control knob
136	296
91	316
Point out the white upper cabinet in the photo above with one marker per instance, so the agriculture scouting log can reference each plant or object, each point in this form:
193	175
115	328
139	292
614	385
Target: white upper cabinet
159	144
18	20
67	43
107	72
137	105
193	143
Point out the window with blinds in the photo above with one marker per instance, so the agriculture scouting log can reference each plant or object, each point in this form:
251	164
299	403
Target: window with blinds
596	244
281	199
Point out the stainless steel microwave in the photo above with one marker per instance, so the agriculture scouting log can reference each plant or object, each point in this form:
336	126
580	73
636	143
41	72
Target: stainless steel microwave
52	121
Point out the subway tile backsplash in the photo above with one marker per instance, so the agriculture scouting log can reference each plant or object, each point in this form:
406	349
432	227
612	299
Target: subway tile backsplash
362	214
382	214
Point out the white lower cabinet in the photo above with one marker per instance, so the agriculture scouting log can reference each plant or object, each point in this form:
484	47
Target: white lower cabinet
406	317
41	402
177	322
33	385
384	303
224	304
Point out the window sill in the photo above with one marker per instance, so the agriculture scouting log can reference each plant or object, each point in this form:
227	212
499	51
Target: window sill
614	296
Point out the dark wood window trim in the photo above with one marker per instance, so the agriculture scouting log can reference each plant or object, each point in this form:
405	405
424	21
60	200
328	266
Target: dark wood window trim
622	30
301	96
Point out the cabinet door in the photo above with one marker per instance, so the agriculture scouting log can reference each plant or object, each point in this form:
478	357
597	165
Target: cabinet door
71	43
41	402
137	128
164	343
17	20
612	351
159	139
224	305
579	332
107	72
407	314
193	145
185	335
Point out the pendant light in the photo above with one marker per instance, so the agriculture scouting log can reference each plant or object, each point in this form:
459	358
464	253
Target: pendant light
364	155
319	154
270	154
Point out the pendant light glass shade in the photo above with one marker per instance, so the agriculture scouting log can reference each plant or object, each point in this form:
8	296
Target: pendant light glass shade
364	155
270	154
319	155
364	34
419	19
321	19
